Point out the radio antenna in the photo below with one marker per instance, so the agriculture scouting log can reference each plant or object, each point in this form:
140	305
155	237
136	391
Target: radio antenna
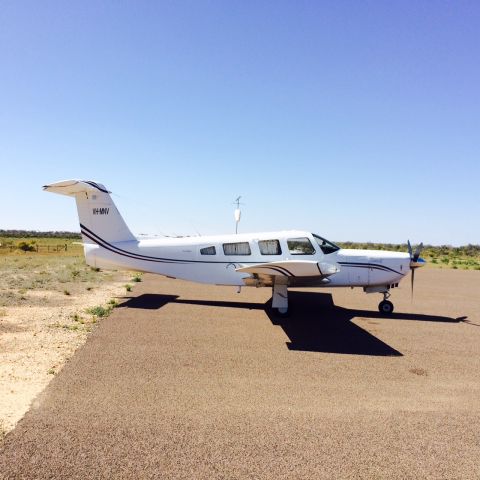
237	213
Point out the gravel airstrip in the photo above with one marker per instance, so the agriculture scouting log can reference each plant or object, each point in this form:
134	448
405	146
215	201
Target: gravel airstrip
190	381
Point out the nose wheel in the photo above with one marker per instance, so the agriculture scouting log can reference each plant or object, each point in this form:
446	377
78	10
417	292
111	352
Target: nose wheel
385	306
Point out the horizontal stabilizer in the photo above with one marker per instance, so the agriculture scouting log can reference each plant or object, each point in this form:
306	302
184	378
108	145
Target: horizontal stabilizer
72	187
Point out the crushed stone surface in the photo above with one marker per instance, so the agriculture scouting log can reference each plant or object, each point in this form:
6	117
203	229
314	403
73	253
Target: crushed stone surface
190	381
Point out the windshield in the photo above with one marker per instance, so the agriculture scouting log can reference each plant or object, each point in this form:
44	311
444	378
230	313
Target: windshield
326	246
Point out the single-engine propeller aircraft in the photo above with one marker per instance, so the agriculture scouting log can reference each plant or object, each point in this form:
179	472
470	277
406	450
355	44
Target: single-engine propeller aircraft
273	259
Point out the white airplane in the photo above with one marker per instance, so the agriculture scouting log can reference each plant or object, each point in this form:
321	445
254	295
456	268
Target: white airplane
272	259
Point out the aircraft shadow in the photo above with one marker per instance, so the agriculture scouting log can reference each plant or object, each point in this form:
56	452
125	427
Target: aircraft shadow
315	324
148	301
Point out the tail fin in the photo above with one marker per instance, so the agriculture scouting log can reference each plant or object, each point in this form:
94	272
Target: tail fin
98	215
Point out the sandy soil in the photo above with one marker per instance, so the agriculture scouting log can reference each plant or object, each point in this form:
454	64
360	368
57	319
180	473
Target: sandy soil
36	341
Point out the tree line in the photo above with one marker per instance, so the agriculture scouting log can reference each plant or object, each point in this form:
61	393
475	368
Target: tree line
37	234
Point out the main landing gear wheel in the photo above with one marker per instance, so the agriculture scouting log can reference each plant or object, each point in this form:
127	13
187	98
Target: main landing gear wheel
282	312
385	306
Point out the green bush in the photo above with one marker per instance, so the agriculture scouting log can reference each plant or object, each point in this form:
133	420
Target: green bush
26	246
98	311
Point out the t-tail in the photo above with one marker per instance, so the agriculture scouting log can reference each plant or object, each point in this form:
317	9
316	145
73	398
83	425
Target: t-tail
100	220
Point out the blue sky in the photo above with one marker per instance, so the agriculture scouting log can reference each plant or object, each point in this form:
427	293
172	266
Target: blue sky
356	120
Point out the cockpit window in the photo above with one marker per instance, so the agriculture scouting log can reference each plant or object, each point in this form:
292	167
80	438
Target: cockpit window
300	246
326	246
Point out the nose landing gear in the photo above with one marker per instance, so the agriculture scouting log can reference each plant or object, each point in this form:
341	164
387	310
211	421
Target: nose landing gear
385	306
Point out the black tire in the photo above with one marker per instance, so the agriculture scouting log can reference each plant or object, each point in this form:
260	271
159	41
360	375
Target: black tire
280	314
385	307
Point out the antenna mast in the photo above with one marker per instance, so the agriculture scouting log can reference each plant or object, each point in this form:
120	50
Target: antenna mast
237	213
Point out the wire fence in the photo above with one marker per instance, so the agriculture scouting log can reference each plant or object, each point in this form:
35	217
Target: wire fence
40	248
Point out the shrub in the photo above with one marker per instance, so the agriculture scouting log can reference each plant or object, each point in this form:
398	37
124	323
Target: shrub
98	311
26	247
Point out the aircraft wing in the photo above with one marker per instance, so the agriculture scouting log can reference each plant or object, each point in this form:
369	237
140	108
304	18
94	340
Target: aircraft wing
292	268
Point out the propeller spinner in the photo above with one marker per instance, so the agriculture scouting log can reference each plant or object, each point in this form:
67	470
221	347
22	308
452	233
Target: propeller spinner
415	260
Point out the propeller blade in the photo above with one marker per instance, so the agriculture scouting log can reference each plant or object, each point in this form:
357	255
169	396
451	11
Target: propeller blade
413	261
417	252
413	280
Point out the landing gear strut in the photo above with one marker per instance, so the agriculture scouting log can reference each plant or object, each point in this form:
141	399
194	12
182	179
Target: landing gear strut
280	298
385	306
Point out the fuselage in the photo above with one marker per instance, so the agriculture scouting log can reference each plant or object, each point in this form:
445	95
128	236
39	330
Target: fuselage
215	259
268	259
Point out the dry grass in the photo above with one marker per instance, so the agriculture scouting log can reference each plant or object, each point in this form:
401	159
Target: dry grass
43	319
20	275
43	245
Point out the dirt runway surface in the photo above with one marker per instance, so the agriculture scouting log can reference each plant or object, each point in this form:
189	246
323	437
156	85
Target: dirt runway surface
188	381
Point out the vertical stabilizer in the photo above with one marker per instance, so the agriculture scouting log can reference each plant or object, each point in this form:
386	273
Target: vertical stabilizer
100	220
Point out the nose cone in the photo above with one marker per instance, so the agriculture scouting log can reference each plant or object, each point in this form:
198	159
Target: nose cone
419	262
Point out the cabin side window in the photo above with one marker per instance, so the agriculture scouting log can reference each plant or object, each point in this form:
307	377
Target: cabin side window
239	248
300	246
269	247
208	251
